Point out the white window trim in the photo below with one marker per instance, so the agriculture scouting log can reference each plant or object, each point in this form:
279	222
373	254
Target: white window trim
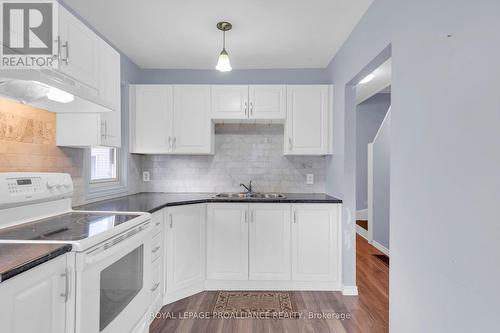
102	187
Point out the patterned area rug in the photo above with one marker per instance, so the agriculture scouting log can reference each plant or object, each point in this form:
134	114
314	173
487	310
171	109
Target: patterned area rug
257	304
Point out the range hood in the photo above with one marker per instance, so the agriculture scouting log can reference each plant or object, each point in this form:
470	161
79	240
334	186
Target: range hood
51	91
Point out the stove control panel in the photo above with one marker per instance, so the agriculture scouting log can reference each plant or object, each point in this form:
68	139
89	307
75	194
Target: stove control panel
21	188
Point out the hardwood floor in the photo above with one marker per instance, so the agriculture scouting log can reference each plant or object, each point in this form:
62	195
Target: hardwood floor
363	224
369	312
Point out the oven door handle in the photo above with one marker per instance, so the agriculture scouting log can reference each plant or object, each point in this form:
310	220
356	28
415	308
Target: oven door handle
118	244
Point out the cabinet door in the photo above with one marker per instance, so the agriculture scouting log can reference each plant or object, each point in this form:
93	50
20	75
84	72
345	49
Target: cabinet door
109	90
151	119
306	130
230	102
185	246
315	242
32	301
267	102
192	126
227	241
269	242
79	46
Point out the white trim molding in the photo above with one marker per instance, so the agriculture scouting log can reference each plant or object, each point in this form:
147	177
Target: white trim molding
350	290
362	214
362	232
380	247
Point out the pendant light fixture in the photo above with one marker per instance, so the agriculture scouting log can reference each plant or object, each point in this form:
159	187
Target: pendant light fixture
223	65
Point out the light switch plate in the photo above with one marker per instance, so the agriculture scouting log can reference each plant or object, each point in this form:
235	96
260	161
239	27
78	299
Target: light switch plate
145	176
309	179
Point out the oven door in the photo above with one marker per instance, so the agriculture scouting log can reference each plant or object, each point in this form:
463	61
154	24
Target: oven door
113	283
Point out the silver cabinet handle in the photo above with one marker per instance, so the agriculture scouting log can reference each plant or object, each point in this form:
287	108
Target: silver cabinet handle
246	217
66	276
66	46
58	41
289	143
103	130
155	286
251	216
156	249
171	221
246	109
174	143
251	108
170	142
294	217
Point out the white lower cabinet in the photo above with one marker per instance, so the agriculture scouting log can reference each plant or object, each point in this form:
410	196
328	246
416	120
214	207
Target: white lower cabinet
315	242
38	300
269	242
227	241
185	250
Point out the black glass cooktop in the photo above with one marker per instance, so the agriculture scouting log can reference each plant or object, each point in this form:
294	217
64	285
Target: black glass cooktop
66	227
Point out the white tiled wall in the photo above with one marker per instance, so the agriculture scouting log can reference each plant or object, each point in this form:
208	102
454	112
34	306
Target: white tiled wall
242	153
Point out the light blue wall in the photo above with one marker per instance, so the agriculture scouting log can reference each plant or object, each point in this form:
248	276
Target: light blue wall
369	117
249	76
445	158
381	183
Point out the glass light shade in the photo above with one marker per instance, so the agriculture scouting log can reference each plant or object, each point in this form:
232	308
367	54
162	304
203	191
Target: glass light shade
58	95
223	65
367	78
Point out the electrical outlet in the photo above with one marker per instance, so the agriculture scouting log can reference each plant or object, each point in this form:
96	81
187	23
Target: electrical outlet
309	179
145	176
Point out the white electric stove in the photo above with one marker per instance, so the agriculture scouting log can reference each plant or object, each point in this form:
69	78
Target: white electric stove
112	250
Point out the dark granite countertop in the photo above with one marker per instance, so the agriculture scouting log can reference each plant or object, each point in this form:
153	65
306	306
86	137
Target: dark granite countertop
18	258
153	201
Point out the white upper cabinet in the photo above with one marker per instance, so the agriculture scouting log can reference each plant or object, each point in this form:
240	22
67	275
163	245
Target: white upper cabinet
269	242
151	108
308	128
192	127
110	91
259	102
267	102
229	102
315	242
227	241
168	119
88	59
78	49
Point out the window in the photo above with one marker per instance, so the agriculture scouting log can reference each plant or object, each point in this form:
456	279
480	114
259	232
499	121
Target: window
103	165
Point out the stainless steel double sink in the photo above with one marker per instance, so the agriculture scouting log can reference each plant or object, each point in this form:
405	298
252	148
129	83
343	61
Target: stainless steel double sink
250	196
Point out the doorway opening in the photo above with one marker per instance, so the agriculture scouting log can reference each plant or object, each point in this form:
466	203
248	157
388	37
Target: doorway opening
373	118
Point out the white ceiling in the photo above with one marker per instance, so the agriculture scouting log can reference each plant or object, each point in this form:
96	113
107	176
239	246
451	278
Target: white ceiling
381	83
266	33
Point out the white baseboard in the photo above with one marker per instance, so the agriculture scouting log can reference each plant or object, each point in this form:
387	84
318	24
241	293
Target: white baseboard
362	214
381	248
362	232
350	290
271	285
171	297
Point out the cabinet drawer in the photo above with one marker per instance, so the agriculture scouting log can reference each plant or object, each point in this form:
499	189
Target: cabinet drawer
156	247
157	222
156	279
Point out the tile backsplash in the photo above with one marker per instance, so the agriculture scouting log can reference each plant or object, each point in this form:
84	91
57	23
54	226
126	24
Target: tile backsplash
243	152
28	144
